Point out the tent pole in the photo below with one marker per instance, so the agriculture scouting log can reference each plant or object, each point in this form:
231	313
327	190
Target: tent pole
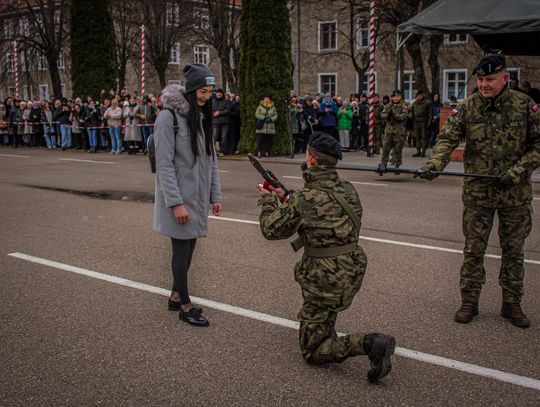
400	41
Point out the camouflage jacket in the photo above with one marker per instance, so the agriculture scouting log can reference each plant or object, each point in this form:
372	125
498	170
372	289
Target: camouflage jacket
321	222
377	113
502	136
421	111
395	116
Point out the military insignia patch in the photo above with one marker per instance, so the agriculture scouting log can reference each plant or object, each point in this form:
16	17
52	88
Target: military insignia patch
454	112
535	108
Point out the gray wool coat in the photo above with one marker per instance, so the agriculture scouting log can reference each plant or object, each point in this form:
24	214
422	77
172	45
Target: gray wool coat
180	179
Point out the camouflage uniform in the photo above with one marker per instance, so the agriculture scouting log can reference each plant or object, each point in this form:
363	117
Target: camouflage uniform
378	127
328	284
502	136
421	115
395	116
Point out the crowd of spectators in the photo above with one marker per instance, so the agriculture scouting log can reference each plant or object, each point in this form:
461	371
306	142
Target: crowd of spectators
122	122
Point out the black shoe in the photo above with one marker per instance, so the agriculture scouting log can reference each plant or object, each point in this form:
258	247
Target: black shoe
381	168
175	306
193	317
379	348
514	313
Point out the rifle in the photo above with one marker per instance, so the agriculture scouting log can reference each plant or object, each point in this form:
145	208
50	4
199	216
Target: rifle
269	176
416	172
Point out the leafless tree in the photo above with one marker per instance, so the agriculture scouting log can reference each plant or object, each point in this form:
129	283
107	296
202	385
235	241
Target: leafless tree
127	19
164	21
42	28
215	22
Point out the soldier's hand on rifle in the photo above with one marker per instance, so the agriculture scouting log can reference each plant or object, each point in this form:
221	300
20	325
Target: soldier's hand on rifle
428	171
506	180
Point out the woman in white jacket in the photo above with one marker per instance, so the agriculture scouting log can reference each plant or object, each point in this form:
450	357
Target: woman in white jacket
114	120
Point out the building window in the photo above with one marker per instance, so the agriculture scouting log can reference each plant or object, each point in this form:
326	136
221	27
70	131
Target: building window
513	74
172	14
201	20
365	83
24	29
201	54
327	36
24	61
8	29
60	62
452	39
362	35
174	58
63	90
454	84
328	83
43	92
57	21
26	93
10	63
409	85
42	62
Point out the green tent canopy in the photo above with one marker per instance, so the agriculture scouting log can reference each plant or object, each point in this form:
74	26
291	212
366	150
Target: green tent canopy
510	25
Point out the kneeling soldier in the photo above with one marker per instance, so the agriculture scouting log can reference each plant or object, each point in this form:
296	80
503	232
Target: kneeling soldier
326	214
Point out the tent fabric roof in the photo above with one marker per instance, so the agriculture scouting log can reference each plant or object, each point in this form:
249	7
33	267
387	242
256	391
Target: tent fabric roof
510	25
476	17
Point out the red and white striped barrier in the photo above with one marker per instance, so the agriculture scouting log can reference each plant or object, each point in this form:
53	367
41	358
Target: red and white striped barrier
371	88
16	67
142	60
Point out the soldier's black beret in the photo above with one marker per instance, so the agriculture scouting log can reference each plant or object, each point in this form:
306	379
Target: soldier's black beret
396	92
490	64
326	144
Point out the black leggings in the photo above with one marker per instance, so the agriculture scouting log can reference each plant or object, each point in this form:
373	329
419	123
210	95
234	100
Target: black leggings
182	252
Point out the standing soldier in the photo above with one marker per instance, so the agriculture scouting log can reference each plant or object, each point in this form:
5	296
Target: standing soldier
378	125
395	116
421	116
326	214
502	132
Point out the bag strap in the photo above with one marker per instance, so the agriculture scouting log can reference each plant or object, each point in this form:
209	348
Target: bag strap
175	120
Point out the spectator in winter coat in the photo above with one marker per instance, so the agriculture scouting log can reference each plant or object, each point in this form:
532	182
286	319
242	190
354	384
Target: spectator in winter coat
62	117
220	112
234	124
132	135
92	119
344	124
48	126
113	115
267	113
327	115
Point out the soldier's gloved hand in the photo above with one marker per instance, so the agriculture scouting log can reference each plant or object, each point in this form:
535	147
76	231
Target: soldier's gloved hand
428	171
381	168
506	181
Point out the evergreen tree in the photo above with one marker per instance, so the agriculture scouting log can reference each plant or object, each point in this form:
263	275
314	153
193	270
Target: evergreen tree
265	68
92	47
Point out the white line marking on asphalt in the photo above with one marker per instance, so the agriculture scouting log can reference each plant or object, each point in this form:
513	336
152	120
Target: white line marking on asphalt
407	353
352	182
395	242
223	171
536	199
87	161
15	155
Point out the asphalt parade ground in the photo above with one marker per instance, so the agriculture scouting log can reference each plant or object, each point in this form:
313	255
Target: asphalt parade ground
84	282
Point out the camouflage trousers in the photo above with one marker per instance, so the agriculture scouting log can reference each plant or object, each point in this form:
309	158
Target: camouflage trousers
514	227
327	289
391	141
421	136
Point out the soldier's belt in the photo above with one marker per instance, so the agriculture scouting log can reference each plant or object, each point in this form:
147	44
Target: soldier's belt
330	251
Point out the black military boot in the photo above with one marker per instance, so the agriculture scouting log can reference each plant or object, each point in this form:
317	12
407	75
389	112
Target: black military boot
513	312
379	348
465	314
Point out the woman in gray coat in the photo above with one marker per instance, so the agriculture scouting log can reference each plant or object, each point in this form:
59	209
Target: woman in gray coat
187	178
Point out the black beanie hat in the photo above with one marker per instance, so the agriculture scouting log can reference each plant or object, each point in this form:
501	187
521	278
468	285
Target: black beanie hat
326	144
198	76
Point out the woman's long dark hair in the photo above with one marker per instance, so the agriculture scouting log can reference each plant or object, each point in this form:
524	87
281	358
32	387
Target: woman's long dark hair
194	120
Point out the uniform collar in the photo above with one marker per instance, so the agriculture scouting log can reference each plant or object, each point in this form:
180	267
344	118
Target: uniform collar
498	101
320	174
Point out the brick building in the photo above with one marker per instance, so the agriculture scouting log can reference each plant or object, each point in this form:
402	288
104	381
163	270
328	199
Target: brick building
319	41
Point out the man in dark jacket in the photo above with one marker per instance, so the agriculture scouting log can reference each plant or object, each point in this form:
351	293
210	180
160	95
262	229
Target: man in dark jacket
234	125
220	111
